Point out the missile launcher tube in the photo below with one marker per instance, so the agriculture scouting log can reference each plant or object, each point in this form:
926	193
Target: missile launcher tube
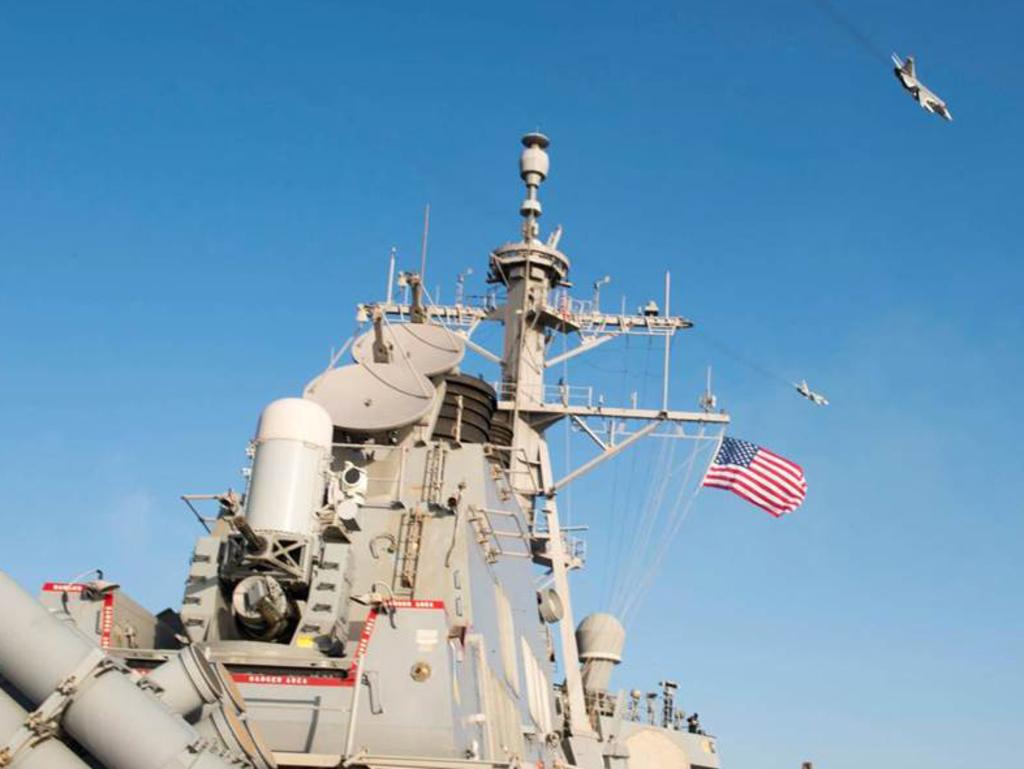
115	721
47	754
186	682
190	685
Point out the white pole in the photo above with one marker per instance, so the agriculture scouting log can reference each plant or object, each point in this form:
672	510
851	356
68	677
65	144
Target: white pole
350	734
668	342
391	274
423	245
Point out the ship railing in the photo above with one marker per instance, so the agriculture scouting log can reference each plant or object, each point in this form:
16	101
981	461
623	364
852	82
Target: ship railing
488	301
646	709
600	703
574	547
462	316
589	319
547	394
568	306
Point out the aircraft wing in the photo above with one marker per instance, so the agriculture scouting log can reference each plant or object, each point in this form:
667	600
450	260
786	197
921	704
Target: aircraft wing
936	106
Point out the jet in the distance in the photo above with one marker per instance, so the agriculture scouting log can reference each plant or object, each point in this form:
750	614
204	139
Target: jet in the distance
907	75
816	398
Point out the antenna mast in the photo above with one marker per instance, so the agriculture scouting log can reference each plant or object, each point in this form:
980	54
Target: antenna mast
534	274
423	243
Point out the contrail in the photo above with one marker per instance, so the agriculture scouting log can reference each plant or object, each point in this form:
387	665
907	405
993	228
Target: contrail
851	29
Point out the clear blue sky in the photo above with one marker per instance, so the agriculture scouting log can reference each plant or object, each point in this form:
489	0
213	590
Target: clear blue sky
193	197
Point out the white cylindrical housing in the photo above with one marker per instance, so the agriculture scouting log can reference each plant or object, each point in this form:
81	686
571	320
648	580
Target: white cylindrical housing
293	446
600	638
533	162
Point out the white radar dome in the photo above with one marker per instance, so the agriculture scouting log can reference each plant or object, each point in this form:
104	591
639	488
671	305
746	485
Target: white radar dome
296	419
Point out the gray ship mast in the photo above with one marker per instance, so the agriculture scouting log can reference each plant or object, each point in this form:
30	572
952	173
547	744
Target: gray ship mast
535	273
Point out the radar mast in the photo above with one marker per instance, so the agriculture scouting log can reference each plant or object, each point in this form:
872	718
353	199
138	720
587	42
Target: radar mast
537	305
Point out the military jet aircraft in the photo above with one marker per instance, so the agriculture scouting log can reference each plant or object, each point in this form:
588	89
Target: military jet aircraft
907	75
816	398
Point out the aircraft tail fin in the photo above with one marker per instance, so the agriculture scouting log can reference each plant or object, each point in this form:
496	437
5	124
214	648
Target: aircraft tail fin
905	65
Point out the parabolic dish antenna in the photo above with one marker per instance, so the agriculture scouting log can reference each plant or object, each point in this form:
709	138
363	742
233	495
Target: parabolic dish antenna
372	397
430	348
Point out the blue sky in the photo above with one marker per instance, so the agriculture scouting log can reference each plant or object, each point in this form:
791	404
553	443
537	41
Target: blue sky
193	197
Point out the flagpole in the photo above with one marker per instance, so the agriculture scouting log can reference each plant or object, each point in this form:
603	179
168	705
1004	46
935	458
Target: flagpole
718	447
668	344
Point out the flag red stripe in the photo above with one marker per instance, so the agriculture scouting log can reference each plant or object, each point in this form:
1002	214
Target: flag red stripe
782	471
766	499
779	493
783	465
748	497
783	485
781	475
796	468
772	511
796	490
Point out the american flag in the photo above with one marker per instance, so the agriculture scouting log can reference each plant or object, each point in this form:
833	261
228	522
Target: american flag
761	477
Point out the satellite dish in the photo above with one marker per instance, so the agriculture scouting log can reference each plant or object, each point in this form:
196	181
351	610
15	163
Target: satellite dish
431	349
372	397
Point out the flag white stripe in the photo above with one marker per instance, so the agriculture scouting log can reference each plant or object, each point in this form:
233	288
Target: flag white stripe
780	480
788	468
741	477
735	473
766	463
741	491
781	460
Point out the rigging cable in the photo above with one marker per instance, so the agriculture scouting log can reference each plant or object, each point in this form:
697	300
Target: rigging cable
739	357
640	541
615	567
616	478
681	510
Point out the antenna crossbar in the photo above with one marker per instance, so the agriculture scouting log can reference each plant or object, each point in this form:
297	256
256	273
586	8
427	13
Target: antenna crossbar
612	412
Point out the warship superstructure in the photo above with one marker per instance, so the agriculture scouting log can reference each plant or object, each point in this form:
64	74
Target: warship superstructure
392	587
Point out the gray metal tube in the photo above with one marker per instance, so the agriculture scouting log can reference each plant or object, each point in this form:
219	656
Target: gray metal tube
187	682
48	754
114	720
